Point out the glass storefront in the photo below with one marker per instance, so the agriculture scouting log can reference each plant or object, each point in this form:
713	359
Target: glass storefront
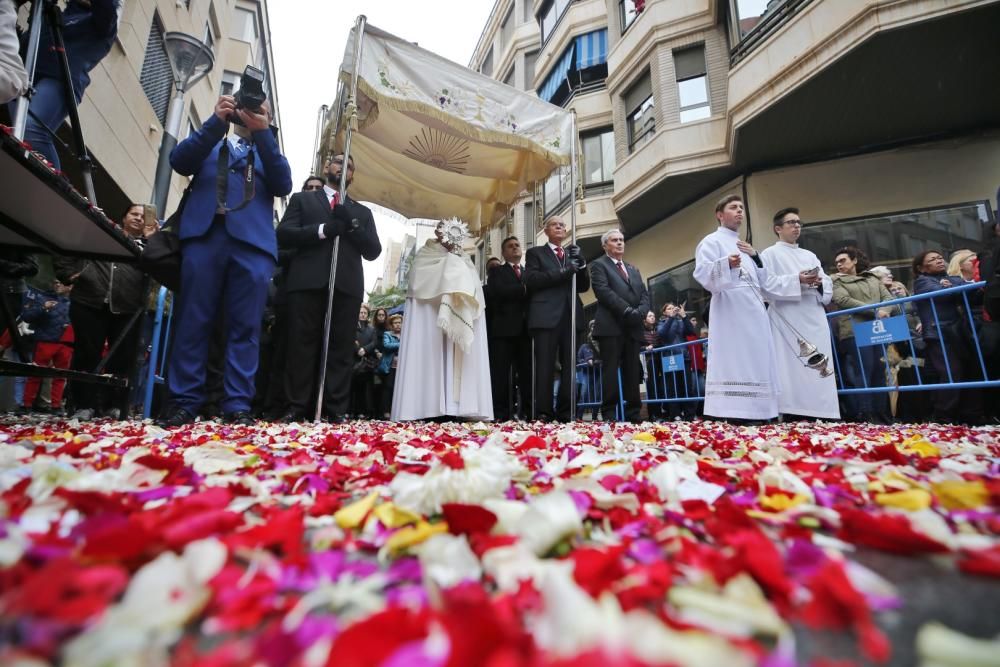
890	240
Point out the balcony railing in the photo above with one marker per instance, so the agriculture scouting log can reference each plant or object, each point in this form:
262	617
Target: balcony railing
768	24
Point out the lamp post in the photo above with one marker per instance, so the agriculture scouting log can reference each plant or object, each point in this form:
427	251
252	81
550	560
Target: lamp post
190	60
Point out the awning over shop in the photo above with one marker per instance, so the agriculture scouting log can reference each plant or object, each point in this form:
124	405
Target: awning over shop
436	140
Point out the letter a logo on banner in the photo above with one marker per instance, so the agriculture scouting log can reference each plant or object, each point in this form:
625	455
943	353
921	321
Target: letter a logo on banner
878	327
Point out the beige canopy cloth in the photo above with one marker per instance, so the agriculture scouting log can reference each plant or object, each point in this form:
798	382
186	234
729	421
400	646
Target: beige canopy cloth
437	140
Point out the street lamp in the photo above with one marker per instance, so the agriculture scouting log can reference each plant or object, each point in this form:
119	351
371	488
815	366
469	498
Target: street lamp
190	60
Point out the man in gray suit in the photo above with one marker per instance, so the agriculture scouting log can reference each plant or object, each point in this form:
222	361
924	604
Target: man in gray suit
622	304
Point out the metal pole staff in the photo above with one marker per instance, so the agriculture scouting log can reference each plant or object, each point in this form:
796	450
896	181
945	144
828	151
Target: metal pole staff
30	60
321	118
572	302
359	30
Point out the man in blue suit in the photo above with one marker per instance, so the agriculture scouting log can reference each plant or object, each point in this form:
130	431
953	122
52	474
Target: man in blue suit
228	254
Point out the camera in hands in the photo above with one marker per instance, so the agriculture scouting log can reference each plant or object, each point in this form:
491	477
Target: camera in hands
251	94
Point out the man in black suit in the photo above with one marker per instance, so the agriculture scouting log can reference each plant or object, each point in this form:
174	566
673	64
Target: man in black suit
311	223
510	347
548	275
622	304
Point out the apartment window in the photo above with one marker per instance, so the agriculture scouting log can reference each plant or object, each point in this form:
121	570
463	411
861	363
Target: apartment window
692	83
509	79
245	25
529	67
581	67
549	16
557	190
157	78
526	11
628	10
230	82
750	12
598	156
530	228
640	112
208	38
487	66
186	3
507	28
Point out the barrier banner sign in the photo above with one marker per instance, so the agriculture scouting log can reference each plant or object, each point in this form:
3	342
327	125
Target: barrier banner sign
673	363
881	332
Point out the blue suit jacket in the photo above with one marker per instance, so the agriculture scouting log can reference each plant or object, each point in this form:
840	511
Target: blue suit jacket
253	224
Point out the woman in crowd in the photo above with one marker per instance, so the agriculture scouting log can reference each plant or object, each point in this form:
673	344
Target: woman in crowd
380	324
673	329
948	337
908	406
386	370
362	392
588	377
964	263
654	385
854	285
104	299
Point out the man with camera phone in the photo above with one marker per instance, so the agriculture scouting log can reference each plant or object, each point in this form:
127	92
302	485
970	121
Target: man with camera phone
228	248
310	226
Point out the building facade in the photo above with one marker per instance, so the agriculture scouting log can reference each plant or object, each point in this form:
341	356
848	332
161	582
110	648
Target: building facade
124	108
878	118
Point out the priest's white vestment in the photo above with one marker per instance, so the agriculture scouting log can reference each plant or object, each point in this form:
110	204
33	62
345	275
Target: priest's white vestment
741	381
444	363
803	391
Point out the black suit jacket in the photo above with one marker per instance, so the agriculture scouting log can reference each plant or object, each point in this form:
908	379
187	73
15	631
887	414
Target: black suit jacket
507	296
310	266
615	294
550	289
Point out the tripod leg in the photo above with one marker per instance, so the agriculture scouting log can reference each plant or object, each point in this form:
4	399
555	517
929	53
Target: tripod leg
55	20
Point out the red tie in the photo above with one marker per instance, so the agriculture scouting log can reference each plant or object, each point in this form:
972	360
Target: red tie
560	253
517	270
333	200
622	270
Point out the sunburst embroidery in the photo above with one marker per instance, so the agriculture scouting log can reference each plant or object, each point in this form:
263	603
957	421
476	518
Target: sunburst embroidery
439	150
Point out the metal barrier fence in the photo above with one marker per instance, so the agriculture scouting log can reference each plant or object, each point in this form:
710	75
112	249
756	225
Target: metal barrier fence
952	356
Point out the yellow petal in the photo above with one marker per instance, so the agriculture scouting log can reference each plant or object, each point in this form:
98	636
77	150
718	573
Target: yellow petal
920	446
645	436
392	516
913	500
352	515
779	502
410	535
956	495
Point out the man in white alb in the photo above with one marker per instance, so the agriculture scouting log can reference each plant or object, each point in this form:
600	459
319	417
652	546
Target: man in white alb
444	364
804	392
741	381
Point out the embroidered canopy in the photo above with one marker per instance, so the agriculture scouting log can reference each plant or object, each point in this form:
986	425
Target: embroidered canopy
438	140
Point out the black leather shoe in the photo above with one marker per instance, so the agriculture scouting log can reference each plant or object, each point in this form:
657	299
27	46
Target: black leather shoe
292	416
176	417
240	418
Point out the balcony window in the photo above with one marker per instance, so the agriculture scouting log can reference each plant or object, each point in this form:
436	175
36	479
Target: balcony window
749	13
692	83
640	112
557	190
753	21
487	66
598	157
628	10
507	28
245	25
582	66
551	12
509	79
230	82
529	68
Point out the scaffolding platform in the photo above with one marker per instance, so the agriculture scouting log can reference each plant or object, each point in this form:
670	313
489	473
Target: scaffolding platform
40	210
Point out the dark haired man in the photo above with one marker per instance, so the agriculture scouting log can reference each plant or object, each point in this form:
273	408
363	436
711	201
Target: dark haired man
313	183
804	392
310	225
510	347
229	250
742	382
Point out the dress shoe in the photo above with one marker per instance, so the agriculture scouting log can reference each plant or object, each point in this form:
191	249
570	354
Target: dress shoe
176	417
293	417
239	418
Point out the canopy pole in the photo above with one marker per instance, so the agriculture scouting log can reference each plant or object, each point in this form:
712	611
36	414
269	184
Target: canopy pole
359	29
572	302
